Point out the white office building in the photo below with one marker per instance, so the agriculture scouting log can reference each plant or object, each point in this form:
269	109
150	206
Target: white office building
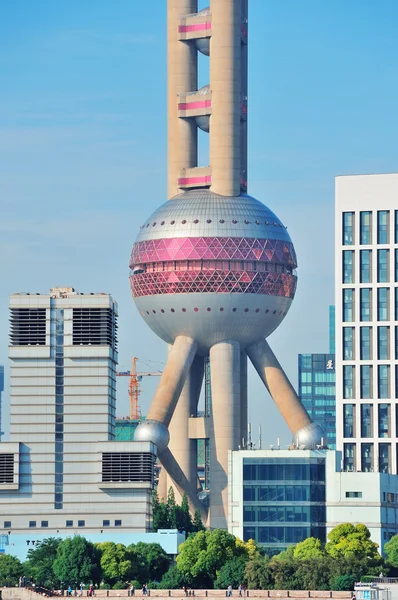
366	287
281	497
62	470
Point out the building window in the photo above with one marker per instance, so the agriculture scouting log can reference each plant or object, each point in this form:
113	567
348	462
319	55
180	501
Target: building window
348	266
32	523
348	228
348	382
383	345
353	494
382	304
384	420
348	305
367	458
390	497
7	524
396	227
69	523
349	420
365	226
349	457
396	265
106	523
366	420
384	458
366	343
44	523
118	523
383	381
382	266
366	266
81	523
348	343
366	304
366	381
382	226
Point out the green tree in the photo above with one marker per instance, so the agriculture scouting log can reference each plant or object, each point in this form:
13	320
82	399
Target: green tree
160	510
343	583
391	550
315	573
203	554
308	549
172	508
258	574
285	574
173	579
152	561
115	562
77	561
39	564
232	573
184	520
197	521
11	570
347	540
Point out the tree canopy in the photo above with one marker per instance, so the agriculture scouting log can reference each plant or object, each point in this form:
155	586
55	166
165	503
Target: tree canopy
11	570
77	561
39	564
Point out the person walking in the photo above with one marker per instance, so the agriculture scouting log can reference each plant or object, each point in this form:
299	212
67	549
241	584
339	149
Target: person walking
240	589
229	591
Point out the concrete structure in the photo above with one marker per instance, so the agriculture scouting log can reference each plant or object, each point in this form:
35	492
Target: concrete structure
213	271
280	497
1	400
316	385
366	321
62	470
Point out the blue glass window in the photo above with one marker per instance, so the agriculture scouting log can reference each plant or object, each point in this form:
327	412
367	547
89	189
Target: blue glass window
383	343
383	381
396	227
396	265
382	266
382	304
366	381
365	308
367	457
382	226
348	343
366	266
366	420
349	420
348	228
384	420
348	381
348	305
366	346
349	457
365	225
348	266
384	458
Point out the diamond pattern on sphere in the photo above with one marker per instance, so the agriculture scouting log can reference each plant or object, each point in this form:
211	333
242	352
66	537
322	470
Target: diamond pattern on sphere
212	281
213	248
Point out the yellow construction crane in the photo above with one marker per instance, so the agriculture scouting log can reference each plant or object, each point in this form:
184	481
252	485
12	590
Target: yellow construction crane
134	386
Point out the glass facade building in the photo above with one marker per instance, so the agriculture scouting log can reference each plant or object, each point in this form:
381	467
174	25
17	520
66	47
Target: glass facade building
316	385
1	394
283	500
366	252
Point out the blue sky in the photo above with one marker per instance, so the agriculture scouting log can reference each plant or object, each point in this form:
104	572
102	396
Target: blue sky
83	147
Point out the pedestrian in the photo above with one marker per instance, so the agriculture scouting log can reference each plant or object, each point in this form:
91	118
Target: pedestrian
240	588
81	589
69	591
132	590
91	590
229	591
185	590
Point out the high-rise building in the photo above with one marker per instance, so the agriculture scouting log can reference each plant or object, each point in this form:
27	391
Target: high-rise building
366	321
62	469
213	270
1	400
316	385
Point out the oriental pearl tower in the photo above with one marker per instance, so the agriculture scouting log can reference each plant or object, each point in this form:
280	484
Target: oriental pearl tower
213	270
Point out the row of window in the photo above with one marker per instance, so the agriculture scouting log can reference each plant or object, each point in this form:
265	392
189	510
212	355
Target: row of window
277	535
366	343
366	375
289	514
366	227
367	458
284	493
318	377
367	420
366	297
284	472
365	266
80	523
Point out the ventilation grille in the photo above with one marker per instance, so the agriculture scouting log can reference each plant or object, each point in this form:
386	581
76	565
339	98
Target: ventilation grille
128	466
94	327
28	327
6	468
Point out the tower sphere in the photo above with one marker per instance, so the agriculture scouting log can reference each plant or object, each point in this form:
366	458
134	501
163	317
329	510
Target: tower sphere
213	268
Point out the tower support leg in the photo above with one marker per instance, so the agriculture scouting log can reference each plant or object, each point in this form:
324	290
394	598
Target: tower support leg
226	417
243	399
284	395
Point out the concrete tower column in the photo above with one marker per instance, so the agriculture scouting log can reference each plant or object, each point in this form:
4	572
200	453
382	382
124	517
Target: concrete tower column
244	91
278	385
183	448
182	76
225	393
225	83
243	398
